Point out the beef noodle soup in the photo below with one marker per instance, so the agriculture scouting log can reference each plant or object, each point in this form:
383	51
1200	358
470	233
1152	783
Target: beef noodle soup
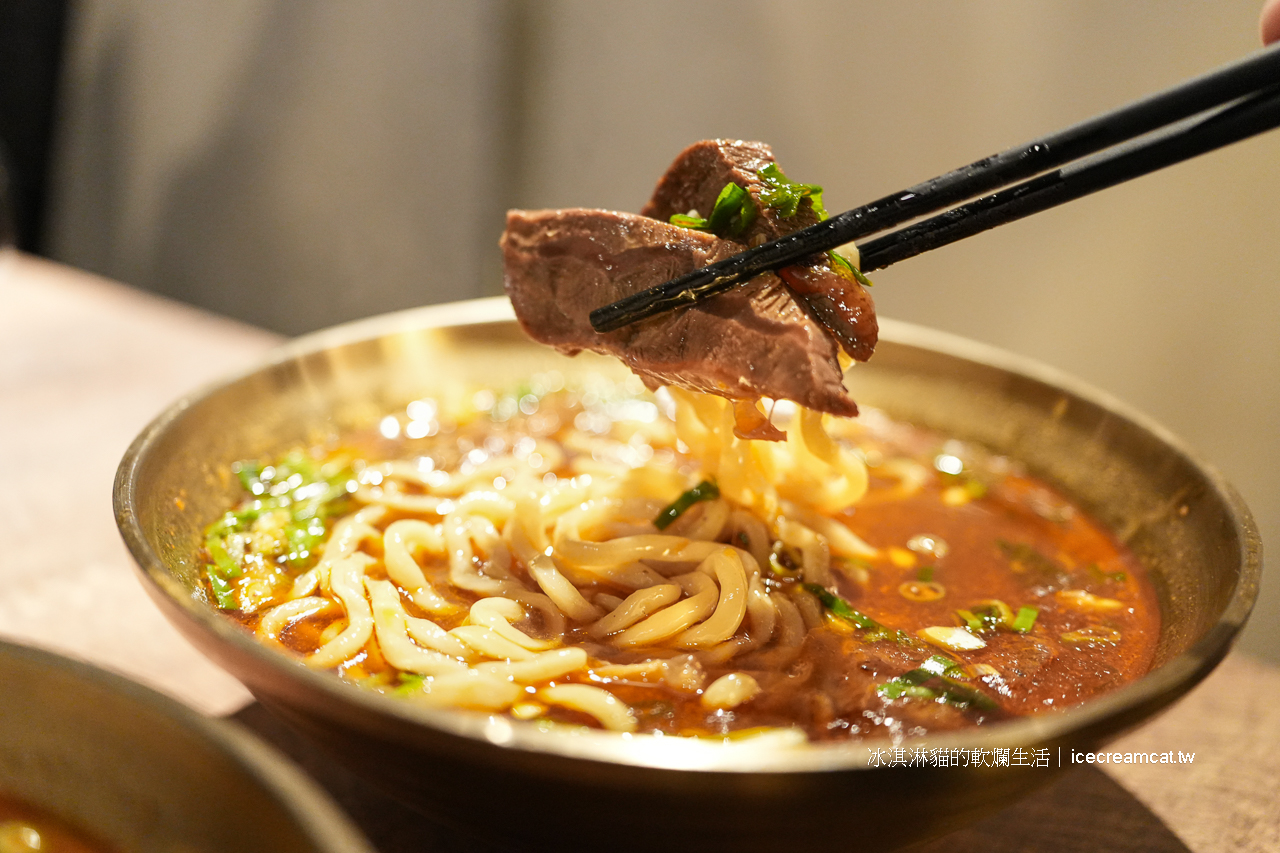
599	556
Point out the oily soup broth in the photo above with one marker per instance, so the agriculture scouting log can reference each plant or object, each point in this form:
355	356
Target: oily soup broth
954	590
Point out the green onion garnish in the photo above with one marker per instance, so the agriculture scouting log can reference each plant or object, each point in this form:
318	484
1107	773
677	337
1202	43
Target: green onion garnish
894	688
704	491
972	621
222	591
697	223
925	574
784	195
845	267
1025	619
223	568
925	683
843	609
302	492
410	683
942	665
249	474
733	213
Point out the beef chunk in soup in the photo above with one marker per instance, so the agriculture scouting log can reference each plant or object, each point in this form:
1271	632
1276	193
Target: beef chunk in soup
833	688
753	341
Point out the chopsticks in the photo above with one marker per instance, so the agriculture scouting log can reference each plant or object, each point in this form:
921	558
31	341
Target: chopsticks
1224	106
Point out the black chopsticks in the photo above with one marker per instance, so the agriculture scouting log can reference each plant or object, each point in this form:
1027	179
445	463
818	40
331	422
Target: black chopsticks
1205	113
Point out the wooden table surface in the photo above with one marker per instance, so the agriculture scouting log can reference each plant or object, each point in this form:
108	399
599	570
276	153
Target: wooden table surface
85	363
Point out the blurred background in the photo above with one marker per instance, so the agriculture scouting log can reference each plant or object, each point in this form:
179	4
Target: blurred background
296	165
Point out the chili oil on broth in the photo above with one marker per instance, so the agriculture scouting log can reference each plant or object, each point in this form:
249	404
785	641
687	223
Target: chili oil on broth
904	613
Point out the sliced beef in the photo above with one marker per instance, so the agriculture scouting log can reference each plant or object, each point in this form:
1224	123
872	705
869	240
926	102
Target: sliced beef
844	307
834	685
694	181
753	341
696	177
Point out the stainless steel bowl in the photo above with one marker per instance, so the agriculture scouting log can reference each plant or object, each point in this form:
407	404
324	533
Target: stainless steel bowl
1182	520
142	773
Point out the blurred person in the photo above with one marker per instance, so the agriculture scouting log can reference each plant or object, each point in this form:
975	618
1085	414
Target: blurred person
1270	21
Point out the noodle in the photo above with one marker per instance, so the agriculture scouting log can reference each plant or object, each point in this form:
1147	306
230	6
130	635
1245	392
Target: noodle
496	614
635	607
670	621
345	582
612	713
390	624
397	545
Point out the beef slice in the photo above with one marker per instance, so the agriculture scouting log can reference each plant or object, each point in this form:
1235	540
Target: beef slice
755	340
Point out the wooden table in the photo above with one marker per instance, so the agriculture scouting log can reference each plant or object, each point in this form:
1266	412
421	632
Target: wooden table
85	363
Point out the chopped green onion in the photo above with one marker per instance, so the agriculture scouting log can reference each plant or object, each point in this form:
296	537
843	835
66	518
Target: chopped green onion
843	609
962	696
1025	619
925	682
697	223
784	195
845	267
302	492
410	683
733	213
894	688
925	574
942	665
972	621
223	568
249	473
704	491
222	591
217	548
994	613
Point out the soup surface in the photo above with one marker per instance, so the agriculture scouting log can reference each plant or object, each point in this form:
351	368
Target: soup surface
596	556
25	829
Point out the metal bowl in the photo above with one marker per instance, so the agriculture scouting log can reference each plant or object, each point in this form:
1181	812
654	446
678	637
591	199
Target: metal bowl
1181	519
140	772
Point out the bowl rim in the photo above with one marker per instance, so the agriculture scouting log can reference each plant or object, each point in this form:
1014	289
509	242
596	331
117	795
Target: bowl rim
1084	723
312	809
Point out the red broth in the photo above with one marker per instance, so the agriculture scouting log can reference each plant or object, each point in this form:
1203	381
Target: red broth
1061	612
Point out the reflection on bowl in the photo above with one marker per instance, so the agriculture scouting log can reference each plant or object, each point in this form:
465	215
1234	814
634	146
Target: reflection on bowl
1177	515
139	772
